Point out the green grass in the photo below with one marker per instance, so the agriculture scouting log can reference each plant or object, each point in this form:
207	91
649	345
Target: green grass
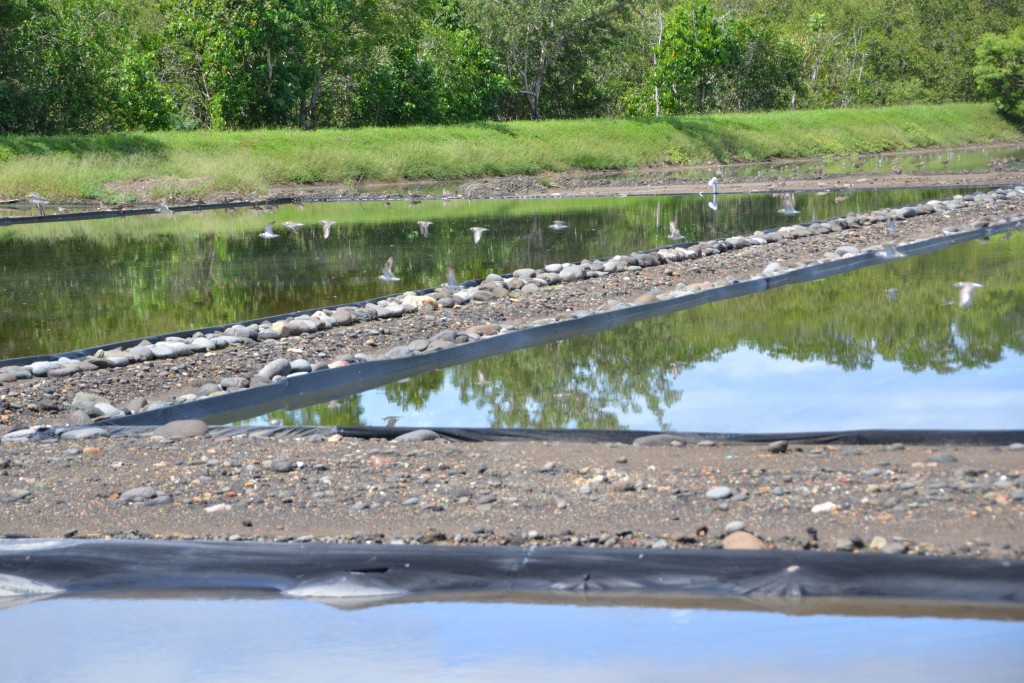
206	164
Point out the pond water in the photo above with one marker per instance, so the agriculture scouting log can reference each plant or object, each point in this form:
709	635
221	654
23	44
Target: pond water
65	286
251	640
834	354
1010	157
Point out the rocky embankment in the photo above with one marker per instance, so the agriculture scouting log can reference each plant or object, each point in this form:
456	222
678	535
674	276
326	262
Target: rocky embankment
954	500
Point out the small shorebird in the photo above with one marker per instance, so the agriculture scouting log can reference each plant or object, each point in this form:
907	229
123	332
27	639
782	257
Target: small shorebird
890	225
966	292
788	205
164	208
477	234
386	273
294	227
34	199
889	250
673	231
326	225
452	282
558	225
268	231
424	227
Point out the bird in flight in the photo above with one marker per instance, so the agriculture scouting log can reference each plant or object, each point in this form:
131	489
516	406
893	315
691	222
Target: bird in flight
386	273
558	225
966	292
424	227
327	227
477	234
268	231
294	227
164	208
890	225
788	205
673	231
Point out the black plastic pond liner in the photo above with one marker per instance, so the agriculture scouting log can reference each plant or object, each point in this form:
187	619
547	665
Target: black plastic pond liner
996	437
318	570
297	391
124	213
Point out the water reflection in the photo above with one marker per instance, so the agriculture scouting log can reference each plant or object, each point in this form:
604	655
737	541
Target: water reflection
1003	157
70	285
830	354
273	640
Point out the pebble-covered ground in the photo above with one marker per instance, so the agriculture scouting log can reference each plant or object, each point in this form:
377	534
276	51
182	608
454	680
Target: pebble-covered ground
953	499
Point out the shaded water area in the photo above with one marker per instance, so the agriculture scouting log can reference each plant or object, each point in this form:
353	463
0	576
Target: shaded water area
834	354
245	638
70	285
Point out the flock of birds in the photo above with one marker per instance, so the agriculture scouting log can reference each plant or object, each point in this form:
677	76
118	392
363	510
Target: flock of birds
888	250
387	271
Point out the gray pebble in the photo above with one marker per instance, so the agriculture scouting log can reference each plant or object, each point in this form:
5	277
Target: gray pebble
138	494
718	493
15	495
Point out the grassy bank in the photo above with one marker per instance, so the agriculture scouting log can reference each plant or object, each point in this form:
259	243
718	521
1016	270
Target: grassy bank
197	164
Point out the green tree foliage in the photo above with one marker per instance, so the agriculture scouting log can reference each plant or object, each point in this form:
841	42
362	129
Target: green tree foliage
63	72
79	66
539	41
712	61
1000	69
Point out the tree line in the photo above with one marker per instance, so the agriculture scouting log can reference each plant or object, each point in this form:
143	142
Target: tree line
90	66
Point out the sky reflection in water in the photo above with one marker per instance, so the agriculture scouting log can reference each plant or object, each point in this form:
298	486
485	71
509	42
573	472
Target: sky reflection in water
251	641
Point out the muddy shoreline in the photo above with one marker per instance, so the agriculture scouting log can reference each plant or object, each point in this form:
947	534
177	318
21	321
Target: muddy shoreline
946	499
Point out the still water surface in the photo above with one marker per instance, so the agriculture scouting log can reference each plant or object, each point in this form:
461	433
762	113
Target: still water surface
834	354
65	286
254	640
